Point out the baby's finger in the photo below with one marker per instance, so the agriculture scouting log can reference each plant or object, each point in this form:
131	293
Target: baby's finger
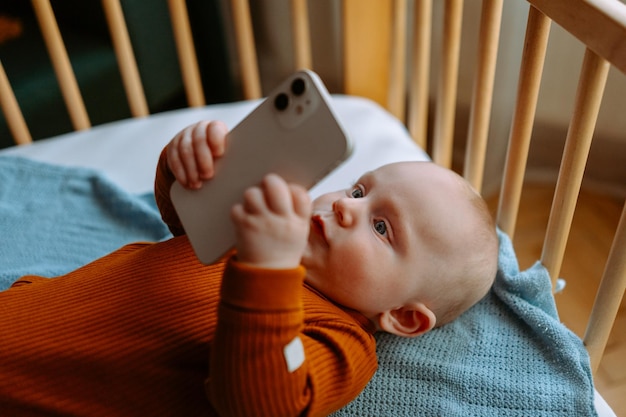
175	166
237	213
301	200
187	156
253	200
203	156
174	160
216	132
277	194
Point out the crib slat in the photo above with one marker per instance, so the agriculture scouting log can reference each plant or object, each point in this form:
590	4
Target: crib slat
244	37
301	34
483	92
447	87
61	63
588	98
397	75
609	296
186	53
417	117
533	57
12	112
125	58
599	24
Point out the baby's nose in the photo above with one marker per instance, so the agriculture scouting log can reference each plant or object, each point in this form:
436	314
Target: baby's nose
345	211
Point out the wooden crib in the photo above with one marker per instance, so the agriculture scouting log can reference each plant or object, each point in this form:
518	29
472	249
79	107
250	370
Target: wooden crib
387	49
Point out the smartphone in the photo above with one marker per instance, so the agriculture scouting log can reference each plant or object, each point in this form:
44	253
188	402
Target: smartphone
294	133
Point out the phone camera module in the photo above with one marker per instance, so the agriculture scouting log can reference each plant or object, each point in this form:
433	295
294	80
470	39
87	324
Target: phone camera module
281	101
298	86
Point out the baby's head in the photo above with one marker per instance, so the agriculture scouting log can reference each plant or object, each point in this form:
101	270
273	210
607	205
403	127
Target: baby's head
411	246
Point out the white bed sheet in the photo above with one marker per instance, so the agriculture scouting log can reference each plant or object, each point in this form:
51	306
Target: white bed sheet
127	151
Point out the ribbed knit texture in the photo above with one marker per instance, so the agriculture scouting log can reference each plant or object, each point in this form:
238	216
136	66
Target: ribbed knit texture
134	334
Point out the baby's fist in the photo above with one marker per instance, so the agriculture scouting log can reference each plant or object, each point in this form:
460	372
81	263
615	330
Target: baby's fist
272	224
191	153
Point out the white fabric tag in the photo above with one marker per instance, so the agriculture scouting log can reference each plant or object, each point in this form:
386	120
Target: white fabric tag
294	354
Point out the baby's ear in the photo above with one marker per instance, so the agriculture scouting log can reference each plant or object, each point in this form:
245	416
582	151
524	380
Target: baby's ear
411	320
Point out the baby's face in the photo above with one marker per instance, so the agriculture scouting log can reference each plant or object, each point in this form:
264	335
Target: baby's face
369	244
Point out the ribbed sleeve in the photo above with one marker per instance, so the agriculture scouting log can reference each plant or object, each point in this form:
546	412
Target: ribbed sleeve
126	335
261	313
132	334
162	183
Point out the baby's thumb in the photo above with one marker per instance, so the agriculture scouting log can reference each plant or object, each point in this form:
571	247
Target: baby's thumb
301	200
216	137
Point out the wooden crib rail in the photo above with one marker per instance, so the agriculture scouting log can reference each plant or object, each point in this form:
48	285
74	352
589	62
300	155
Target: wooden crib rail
609	296
588	98
417	116
301	34
244	36
126	61
447	85
533	57
11	109
186	53
125	58
396	100
592	80
599	24
478	131
62	65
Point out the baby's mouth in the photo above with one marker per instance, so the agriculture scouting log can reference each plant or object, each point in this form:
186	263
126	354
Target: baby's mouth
317	225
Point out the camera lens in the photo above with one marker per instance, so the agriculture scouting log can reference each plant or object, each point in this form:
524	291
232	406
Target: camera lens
298	86
281	101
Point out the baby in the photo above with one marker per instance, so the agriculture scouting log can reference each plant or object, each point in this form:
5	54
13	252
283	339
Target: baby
417	242
282	326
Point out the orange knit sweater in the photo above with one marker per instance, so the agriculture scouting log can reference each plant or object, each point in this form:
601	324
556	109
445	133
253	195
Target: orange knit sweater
136	333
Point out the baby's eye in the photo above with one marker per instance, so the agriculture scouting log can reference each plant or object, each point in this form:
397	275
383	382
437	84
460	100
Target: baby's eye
356	192
380	226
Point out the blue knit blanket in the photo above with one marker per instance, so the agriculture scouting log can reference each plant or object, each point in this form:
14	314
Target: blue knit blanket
55	219
508	356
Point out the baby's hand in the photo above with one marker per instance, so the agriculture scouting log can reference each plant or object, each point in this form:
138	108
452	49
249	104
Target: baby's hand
272	224
191	153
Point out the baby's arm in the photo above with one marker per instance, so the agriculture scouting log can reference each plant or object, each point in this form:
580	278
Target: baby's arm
281	350
265	360
188	158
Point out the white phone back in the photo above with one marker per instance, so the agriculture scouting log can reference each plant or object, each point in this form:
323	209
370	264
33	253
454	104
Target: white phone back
302	143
